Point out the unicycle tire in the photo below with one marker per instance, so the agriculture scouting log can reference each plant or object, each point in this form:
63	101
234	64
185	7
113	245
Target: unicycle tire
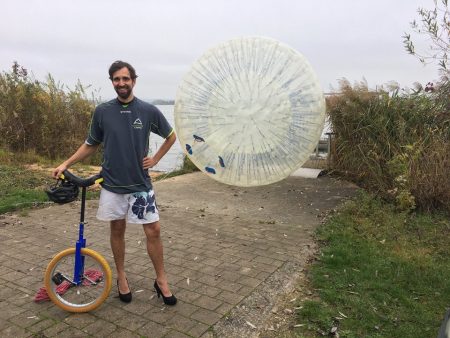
90	294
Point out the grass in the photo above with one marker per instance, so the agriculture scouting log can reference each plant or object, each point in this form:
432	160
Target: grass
381	273
21	188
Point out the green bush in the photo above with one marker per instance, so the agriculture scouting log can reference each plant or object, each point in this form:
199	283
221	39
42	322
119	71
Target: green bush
395	145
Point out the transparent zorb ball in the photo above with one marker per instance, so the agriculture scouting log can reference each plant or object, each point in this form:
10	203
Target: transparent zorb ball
250	111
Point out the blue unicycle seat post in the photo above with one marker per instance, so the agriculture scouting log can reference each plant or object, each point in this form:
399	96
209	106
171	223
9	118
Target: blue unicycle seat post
81	243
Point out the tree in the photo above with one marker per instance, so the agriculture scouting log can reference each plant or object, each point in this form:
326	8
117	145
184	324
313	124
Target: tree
434	24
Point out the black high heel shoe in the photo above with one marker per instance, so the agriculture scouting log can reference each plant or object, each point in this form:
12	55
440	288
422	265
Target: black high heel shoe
171	300
124	297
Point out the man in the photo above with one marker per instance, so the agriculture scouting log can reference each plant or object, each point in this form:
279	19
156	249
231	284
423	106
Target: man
123	125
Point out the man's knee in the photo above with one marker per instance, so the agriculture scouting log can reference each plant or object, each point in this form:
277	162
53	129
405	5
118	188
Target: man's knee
118	228
152	230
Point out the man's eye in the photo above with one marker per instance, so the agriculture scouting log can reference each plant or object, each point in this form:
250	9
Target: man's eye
124	79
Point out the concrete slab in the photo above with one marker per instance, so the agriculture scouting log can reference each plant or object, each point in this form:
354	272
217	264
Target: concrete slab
307	173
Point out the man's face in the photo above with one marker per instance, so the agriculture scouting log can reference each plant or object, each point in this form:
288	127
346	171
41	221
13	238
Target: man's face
122	82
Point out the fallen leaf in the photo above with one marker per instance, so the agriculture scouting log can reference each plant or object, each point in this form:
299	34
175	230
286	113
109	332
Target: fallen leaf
342	314
250	324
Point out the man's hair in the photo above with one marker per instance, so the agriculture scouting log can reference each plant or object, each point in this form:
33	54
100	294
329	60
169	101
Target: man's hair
119	65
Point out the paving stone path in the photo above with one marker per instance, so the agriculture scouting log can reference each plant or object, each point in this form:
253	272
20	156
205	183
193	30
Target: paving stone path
230	253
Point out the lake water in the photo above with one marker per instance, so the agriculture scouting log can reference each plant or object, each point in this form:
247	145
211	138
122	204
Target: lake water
174	158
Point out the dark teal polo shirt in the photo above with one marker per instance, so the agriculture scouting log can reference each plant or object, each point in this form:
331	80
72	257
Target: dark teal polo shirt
124	130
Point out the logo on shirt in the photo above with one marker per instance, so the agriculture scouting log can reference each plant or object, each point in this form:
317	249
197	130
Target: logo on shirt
137	124
125	111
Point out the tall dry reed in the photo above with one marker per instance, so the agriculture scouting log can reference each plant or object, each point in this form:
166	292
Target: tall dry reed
396	145
45	118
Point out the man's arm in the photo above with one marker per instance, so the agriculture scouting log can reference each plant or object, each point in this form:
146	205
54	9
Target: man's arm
150	162
83	152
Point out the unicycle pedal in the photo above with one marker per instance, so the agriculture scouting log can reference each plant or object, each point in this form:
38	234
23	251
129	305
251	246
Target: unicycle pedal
58	278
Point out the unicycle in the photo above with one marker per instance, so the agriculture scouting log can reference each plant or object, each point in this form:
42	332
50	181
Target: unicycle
78	279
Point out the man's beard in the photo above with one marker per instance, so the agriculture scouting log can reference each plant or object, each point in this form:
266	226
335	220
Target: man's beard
123	95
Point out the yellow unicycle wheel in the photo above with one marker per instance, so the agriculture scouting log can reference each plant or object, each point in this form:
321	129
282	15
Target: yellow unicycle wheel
90	292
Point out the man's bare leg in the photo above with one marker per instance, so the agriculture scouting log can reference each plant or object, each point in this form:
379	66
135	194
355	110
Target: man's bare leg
118	248
155	251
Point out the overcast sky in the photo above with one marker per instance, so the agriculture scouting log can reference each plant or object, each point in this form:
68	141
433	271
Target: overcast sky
79	39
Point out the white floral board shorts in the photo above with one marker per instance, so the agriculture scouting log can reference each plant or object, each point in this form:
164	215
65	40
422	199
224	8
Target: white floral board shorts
138	207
